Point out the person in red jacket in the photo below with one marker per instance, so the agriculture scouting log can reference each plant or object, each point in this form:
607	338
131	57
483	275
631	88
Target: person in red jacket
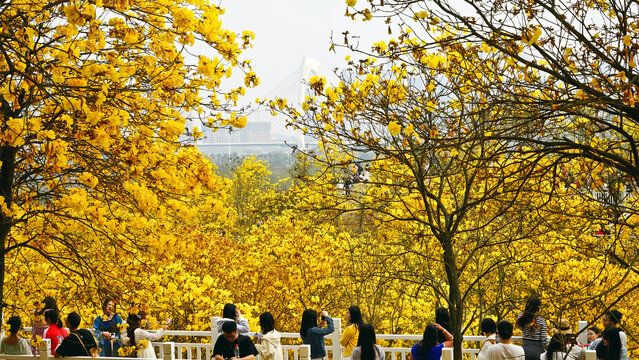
55	332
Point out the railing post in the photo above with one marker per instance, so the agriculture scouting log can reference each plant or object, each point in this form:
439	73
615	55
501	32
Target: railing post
447	354
337	347
2	327
583	332
591	355
168	351
304	352
214	333
45	349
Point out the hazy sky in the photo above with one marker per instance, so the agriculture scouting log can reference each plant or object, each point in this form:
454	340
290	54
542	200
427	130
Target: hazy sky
288	30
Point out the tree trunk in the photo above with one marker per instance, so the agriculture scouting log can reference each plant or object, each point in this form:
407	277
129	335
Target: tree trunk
454	295
8	157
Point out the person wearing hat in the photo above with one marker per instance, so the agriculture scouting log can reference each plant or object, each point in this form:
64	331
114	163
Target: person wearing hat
564	327
563	344
574	348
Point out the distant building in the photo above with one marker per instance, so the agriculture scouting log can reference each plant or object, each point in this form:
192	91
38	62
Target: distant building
263	132
253	132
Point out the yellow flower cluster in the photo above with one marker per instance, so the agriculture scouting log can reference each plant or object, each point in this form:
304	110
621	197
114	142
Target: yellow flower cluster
144	343
126	351
36	341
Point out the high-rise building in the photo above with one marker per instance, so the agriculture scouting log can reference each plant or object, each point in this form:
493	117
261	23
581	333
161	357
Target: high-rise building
264	132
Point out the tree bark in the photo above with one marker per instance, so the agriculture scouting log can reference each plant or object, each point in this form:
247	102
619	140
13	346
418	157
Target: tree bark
7	170
454	295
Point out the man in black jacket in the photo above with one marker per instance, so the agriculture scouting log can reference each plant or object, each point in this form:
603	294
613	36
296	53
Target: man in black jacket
79	342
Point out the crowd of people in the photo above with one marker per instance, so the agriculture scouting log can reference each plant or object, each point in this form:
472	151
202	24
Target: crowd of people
609	344
112	336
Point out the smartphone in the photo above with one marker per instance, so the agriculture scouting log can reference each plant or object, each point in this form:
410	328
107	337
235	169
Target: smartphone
323	317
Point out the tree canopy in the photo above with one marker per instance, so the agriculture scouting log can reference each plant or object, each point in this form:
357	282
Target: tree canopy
94	97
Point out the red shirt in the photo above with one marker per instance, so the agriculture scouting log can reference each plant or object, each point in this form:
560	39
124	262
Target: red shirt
56	335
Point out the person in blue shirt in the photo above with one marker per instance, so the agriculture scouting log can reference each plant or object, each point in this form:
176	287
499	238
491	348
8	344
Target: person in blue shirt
313	334
106	329
430	348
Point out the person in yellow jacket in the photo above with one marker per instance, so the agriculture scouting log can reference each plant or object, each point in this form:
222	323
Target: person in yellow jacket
351	332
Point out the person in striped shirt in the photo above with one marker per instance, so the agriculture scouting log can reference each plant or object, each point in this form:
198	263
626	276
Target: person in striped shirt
533	329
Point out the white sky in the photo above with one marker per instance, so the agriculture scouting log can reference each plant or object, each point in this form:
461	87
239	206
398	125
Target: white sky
286	31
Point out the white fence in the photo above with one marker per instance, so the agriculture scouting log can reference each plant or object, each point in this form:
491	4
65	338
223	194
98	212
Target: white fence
204	351
167	351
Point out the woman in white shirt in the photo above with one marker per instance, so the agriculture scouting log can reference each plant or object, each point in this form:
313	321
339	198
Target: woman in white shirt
270	346
141	338
366	348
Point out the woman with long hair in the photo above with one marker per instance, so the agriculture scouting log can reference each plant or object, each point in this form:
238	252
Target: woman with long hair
367	349
232	313
14	344
39	325
271	348
556	348
563	344
610	347
350	335
139	337
533	329
313	333
430	348
106	331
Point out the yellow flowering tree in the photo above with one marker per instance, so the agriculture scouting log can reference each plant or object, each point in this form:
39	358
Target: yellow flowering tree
94	97
200	255
449	202
133	264
558	80
449	193
251	195
567	68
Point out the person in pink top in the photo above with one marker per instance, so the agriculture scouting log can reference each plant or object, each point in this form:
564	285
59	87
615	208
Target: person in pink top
55	332
38	326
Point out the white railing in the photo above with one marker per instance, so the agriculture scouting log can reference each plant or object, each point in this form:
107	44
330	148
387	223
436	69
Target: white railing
204	351
167	351
302	353
194	351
